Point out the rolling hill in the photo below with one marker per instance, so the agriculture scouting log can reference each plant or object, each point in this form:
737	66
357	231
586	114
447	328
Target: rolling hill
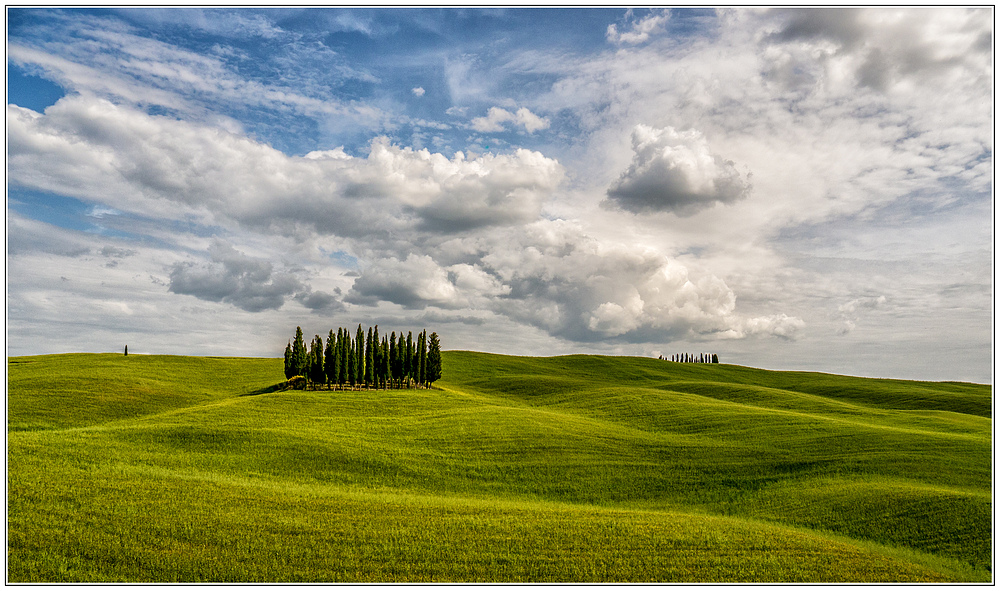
574	468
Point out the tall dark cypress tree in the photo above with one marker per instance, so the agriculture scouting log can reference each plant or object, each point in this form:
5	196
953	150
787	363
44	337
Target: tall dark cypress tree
342	341
376	357
299	354
383	363
393	359
368	358
433	359
359	355
330	359
316	373
288	361
408	358
352	362
422	352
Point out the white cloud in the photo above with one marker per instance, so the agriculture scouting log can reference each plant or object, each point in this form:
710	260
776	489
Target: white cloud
677	172
418	91
886	49
571	285
130	161
850	312
414	282
496	118
638	31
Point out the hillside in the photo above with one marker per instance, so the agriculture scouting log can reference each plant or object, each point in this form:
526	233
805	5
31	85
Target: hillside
575	468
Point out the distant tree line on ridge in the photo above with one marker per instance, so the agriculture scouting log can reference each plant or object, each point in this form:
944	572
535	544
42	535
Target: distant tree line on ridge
364	362
691	358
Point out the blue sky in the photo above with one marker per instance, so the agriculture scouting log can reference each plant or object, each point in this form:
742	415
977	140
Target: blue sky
803	189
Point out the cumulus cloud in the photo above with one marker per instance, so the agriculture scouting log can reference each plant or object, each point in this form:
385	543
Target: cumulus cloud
131	161
419	281
496	118
554	276
878	48
637	31
320	302
676	171
458	194
418	91
235	278
413	282
778	325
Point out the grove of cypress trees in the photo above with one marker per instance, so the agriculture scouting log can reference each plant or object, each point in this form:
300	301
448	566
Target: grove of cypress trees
433	359
378	361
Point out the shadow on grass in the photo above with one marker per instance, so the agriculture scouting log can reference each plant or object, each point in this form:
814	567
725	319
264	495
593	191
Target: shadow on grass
279	387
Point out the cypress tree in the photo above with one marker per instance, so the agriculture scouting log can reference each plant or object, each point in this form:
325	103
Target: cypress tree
299	354
330	359
393	359
422	352
369	358
352	369
376	357
434	359
342	354
408	358
288	361
316	373
359	355
715	357
383	363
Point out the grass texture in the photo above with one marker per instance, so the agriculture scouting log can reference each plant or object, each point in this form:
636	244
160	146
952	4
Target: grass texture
574	468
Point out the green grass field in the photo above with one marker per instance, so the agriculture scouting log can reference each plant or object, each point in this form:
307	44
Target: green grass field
577	468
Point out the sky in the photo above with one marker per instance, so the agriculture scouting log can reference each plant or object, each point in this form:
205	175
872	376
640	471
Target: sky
805	189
